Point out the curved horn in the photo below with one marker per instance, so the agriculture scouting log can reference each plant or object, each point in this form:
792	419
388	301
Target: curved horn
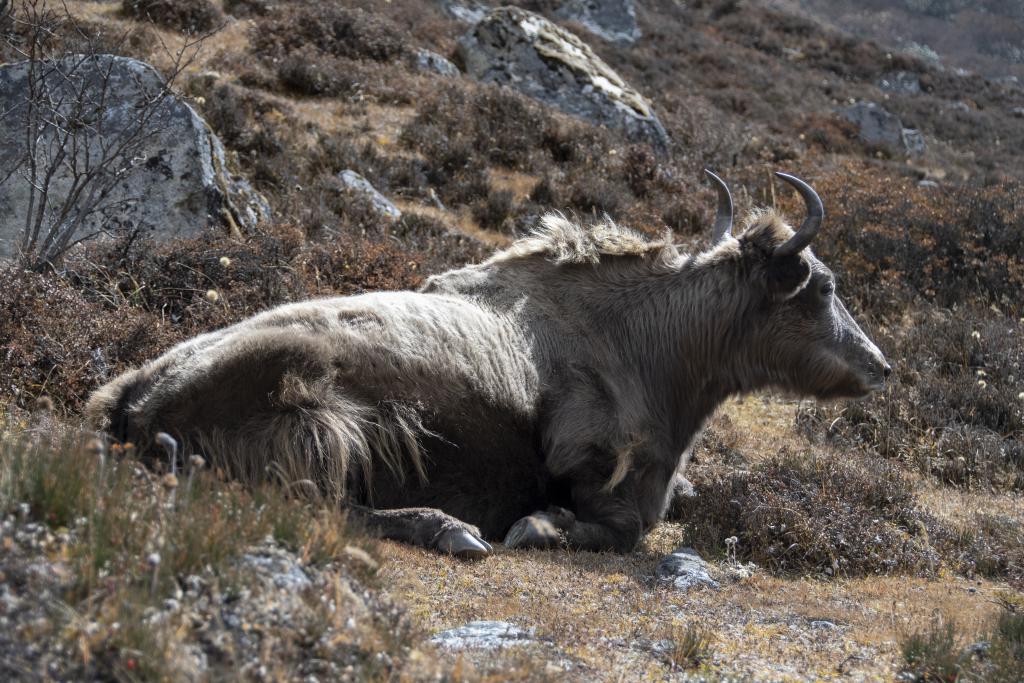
723	218
811	225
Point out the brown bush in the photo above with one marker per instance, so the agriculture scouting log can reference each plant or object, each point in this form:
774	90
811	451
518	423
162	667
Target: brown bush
987	545
492	212
59	343
306	73
930	268
189	16
493	123
328	29
809	512
953	410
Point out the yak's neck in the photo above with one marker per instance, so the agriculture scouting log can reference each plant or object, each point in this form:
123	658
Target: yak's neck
679	332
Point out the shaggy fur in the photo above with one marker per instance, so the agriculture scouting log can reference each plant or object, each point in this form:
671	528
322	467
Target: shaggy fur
573	369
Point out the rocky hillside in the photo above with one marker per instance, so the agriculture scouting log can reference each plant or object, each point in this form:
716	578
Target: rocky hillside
361	145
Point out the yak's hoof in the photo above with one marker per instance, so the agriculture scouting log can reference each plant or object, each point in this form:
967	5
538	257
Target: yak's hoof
534	531
463	545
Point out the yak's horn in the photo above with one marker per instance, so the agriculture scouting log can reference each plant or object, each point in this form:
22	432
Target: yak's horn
723	218
815	214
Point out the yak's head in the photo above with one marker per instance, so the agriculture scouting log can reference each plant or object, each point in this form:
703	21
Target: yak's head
795	332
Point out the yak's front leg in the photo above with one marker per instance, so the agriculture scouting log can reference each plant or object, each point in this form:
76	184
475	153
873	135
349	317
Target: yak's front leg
425	527
603	520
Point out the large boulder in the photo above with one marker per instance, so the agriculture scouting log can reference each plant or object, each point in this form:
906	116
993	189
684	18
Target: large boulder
880	128
138	157
612	20
513	47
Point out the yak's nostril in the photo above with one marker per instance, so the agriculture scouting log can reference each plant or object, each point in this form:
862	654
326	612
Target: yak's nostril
887	370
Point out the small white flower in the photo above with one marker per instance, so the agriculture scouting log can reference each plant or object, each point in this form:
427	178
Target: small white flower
982	383
1021	396
212	296
225	261
976	334
980	373
153	559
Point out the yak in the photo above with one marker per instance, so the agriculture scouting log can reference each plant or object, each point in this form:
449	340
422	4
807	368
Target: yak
547	397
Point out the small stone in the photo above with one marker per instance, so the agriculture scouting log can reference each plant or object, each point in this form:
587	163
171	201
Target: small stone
484	635
685	569
360	185
426	60
879	127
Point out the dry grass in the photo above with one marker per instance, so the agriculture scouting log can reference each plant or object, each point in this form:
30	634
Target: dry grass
123	539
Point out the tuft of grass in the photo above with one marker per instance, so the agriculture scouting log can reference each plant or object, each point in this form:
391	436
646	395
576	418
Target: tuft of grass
933	653
1006	653
938	652
692	645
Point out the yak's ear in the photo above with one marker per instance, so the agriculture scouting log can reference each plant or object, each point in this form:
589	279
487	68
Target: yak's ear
787	275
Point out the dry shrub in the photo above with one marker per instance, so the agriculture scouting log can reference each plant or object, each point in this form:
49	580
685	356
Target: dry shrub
988	545
307	73
941	274
58	342
495	123
245	8
330	30
492	212
831	133
886	236
810	512
189	16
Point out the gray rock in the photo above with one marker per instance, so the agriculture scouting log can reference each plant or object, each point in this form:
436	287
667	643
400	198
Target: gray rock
881	128
279	569
525	51
903	82
823	625
927	183
484	635
1018	112
163	173
360	185
685	569
913	141
426	60
612	20
468	11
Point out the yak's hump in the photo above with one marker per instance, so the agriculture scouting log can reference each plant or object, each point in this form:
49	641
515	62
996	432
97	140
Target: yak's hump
565	241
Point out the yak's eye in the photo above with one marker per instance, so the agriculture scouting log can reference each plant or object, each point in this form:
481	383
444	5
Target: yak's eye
828	288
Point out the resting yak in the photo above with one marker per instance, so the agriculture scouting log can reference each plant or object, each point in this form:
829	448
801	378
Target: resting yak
547	396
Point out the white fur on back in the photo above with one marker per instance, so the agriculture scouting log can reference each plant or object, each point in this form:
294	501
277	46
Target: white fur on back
565	241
